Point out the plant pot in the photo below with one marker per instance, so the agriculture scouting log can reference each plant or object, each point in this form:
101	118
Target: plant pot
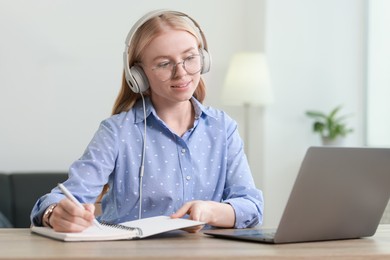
338	141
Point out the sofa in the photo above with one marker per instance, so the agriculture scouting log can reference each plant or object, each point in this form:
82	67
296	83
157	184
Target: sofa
20	190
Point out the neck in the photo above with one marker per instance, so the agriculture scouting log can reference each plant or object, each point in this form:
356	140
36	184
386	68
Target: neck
179	117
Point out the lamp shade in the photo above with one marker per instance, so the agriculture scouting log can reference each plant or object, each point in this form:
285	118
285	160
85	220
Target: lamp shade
247	80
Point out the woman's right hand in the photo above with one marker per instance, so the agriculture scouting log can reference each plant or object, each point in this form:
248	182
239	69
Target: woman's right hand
68	217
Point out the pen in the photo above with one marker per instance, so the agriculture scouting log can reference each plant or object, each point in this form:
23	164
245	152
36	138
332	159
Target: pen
72	198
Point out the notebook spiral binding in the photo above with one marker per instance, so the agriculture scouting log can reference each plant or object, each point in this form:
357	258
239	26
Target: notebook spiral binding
119	226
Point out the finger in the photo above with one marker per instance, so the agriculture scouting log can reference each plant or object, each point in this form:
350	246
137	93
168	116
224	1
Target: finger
70	217
193	229
63	222
71	208
66	226
195	213
90	208
182	211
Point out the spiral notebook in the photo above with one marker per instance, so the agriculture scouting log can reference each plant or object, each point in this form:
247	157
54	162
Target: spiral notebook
136	229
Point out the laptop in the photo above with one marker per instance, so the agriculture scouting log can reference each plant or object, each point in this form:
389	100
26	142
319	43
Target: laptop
339	193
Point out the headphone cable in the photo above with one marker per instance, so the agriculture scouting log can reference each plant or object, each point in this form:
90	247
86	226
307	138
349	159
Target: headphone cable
141	169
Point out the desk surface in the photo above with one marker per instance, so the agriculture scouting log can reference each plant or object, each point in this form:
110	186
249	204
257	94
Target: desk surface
21	244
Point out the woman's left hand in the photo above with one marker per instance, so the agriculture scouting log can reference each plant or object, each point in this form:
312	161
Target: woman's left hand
213	213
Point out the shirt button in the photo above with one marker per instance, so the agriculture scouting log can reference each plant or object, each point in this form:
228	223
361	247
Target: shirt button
183	150
188	178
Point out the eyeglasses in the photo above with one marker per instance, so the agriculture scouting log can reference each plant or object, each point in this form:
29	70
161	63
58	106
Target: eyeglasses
166	70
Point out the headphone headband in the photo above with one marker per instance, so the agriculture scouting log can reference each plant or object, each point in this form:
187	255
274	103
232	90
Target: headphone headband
157	13
135	76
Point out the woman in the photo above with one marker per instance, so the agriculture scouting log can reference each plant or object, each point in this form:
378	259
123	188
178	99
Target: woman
165	153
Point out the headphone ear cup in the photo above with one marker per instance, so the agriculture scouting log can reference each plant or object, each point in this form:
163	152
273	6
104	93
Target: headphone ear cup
206	61
139	82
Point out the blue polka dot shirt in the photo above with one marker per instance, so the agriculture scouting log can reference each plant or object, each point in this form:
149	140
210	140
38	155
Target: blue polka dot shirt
206	163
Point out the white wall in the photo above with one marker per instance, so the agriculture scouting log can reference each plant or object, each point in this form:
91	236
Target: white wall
61	63
316	53
378	78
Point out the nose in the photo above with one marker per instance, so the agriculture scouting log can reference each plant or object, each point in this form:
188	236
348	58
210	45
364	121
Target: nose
179	70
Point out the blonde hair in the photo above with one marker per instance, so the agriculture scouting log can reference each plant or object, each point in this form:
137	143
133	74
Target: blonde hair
141	39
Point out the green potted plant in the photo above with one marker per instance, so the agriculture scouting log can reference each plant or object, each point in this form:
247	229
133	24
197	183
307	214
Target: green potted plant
331	127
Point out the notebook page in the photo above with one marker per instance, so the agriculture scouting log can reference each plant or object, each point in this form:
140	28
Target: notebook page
92	233
160	224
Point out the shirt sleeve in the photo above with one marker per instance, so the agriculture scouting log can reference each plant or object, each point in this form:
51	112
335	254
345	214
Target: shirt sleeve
87	175
240	190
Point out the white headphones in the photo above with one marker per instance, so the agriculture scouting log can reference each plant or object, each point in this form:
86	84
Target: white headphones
135	76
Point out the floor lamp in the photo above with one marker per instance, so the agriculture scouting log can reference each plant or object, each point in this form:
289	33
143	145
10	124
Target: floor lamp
247	84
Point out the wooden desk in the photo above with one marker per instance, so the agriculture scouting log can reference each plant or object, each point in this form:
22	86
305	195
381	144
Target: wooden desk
21	244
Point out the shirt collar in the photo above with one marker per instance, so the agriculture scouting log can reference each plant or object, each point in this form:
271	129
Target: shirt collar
139	111
200	109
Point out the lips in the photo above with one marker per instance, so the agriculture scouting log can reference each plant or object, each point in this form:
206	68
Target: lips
181	85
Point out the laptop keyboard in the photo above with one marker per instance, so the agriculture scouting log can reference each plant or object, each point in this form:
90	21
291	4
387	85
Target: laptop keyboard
256	233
